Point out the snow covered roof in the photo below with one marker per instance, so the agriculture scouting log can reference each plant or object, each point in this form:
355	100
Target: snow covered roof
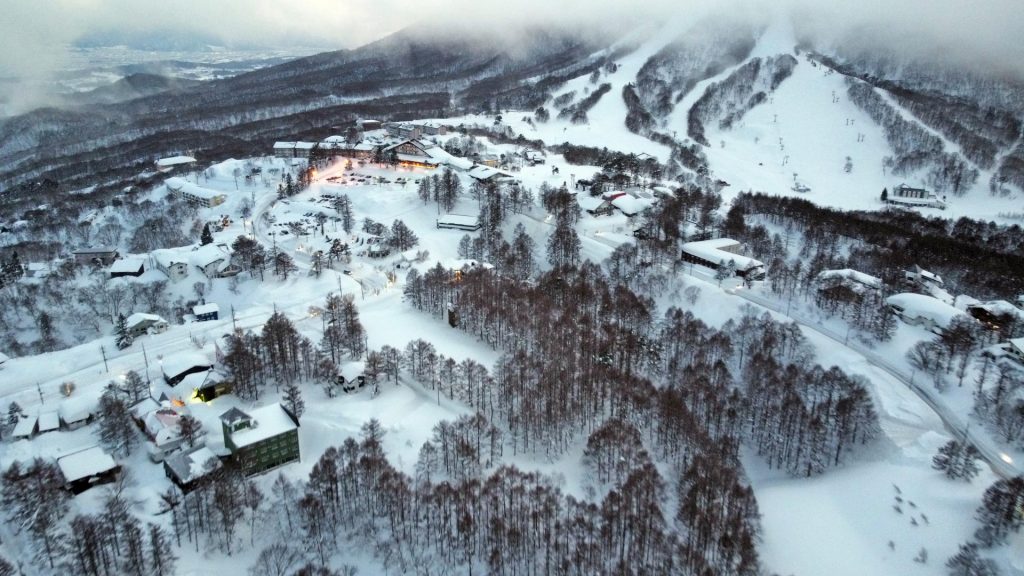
443	157
174	161
25	426
162	424
1000	307
589	203
85	463
630	205
335	139
189	466
466	264
49	420
305	145
854	275
204	256
1017	343
76	409
208	308
95	250
167	257
352	370
926	275
145	406
235	414
284	145
181	362
126	265
182	186
921	306
458	220
714	250
486	173
267	422
417	159
140	317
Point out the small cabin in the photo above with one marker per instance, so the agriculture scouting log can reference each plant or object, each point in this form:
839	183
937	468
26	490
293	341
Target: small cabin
99	256
206	312
25	428
87	468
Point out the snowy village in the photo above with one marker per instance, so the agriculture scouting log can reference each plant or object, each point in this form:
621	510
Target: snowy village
775	326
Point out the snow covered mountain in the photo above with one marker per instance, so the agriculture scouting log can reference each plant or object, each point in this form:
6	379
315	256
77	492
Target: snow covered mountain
752	104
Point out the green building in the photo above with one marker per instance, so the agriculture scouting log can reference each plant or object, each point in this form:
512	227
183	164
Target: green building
262	439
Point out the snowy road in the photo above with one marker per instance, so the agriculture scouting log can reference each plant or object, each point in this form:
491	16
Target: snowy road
997	460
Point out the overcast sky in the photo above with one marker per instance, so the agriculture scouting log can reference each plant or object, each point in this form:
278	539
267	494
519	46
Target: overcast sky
34	32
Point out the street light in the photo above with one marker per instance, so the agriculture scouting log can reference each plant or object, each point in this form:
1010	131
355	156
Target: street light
1006	458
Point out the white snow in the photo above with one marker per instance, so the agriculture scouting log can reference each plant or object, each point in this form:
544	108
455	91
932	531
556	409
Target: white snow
630	205
715	250
919	306
177	363
126	265
184	187
85	463
49	420
208	308
25	427
854	275
76	409
174	161
267	422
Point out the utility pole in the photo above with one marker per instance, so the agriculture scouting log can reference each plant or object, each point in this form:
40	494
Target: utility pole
103	352
146	359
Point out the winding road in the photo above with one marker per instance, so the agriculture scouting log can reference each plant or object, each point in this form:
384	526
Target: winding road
1000	462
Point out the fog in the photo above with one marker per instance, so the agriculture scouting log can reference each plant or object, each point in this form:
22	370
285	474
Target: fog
34	35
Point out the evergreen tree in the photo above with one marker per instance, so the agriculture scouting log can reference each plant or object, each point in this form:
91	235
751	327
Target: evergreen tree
293	400
161	554
343	206
735	226
33	497
1000	511
13	414
338	250
189	427
448	189
967	562
402	237
289	185
206	237
957	460
135	388
283	264
117	431
121	336
47	338
413	291
563	245
316	263
722	272
424	190
885	194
